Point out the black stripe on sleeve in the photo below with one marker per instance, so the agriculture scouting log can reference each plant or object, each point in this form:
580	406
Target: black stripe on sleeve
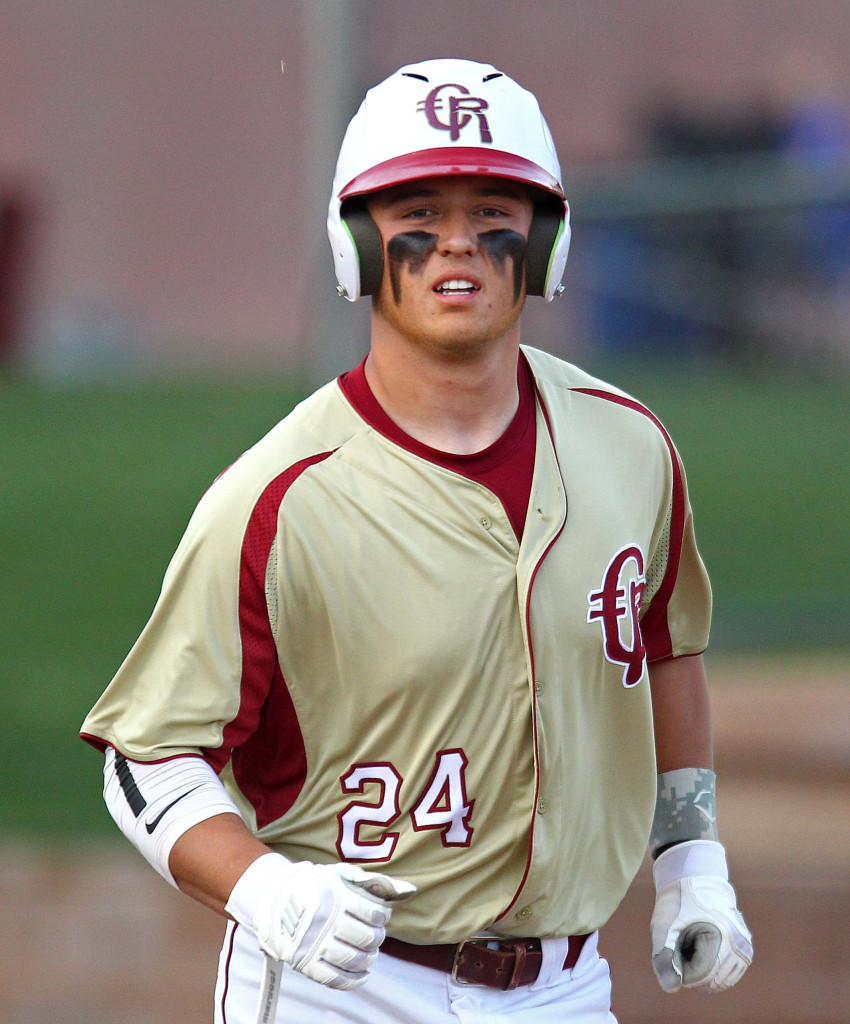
128	784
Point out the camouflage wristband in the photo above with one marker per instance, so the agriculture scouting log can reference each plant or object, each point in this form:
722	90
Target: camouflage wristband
685	808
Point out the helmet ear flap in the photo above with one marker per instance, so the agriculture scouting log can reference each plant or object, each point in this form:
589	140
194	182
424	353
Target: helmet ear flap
367	243
544	230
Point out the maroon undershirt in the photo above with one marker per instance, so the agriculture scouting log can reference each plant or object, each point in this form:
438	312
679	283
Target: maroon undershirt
506	467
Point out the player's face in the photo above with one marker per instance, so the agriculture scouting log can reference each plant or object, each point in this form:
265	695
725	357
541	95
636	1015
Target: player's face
454	261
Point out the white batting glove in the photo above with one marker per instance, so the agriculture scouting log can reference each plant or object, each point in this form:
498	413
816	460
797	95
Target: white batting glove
699	939
325	920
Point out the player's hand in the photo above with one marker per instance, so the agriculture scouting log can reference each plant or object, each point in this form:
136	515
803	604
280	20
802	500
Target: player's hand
699	938
325	920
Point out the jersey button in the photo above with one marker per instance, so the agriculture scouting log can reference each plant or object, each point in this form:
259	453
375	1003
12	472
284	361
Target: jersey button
541	806
485	522
538	687
524	914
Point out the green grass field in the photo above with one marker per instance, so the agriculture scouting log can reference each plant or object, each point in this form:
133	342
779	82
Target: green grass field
99	482
768	463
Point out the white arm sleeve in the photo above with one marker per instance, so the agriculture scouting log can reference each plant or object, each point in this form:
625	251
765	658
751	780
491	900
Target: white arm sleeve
154	804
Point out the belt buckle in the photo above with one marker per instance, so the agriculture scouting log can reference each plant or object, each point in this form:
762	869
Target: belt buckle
472	940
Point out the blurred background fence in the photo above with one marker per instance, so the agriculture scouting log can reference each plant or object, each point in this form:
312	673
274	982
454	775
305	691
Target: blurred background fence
166	295
740	256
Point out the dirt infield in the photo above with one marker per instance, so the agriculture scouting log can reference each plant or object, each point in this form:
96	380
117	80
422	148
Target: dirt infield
94	936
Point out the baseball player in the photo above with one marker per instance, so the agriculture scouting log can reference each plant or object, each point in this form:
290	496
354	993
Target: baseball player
425	675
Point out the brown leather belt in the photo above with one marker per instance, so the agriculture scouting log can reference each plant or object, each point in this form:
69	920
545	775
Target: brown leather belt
515	962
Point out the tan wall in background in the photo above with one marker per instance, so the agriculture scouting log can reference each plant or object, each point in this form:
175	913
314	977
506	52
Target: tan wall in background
178	206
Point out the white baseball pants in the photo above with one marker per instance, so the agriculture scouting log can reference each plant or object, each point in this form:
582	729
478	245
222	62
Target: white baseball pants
402	993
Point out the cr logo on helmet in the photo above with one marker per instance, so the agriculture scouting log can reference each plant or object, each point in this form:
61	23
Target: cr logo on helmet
460	110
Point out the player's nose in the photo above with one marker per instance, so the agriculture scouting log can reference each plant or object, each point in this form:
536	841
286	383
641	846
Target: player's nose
457	235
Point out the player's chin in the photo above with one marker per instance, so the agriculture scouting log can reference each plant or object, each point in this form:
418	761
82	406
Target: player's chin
483	331
462	342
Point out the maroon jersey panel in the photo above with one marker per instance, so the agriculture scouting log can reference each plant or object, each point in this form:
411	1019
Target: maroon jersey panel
269	771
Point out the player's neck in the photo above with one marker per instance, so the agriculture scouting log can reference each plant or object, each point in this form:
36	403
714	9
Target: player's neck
454	405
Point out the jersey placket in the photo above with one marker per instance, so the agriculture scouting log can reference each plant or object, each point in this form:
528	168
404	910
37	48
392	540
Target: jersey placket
547	514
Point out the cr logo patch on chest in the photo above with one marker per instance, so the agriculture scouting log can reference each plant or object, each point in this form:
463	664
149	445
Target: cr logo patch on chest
617	606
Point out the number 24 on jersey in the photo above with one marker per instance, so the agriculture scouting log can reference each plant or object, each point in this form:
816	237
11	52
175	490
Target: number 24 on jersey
442	805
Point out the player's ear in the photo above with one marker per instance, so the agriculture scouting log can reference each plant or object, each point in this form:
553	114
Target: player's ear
367	243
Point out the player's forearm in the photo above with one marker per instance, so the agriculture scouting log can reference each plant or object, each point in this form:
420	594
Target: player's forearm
685	805
682	714
208	859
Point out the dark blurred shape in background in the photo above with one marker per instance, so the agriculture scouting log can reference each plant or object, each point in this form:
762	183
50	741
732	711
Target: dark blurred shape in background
17	236
730	237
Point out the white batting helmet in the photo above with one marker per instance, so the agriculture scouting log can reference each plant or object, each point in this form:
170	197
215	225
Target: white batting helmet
443	117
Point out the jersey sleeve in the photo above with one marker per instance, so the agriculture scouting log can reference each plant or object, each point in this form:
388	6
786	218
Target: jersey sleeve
676	608
184	681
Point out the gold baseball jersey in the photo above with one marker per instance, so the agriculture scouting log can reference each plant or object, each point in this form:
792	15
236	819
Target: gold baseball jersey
354	638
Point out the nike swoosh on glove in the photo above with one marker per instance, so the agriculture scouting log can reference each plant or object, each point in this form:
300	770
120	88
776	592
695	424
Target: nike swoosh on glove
699	938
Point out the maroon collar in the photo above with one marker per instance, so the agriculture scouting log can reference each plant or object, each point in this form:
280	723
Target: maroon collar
356	389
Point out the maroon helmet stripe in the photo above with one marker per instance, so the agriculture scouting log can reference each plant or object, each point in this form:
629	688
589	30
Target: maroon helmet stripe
452	160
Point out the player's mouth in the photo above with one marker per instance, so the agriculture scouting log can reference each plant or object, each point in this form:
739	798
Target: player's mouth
457	286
